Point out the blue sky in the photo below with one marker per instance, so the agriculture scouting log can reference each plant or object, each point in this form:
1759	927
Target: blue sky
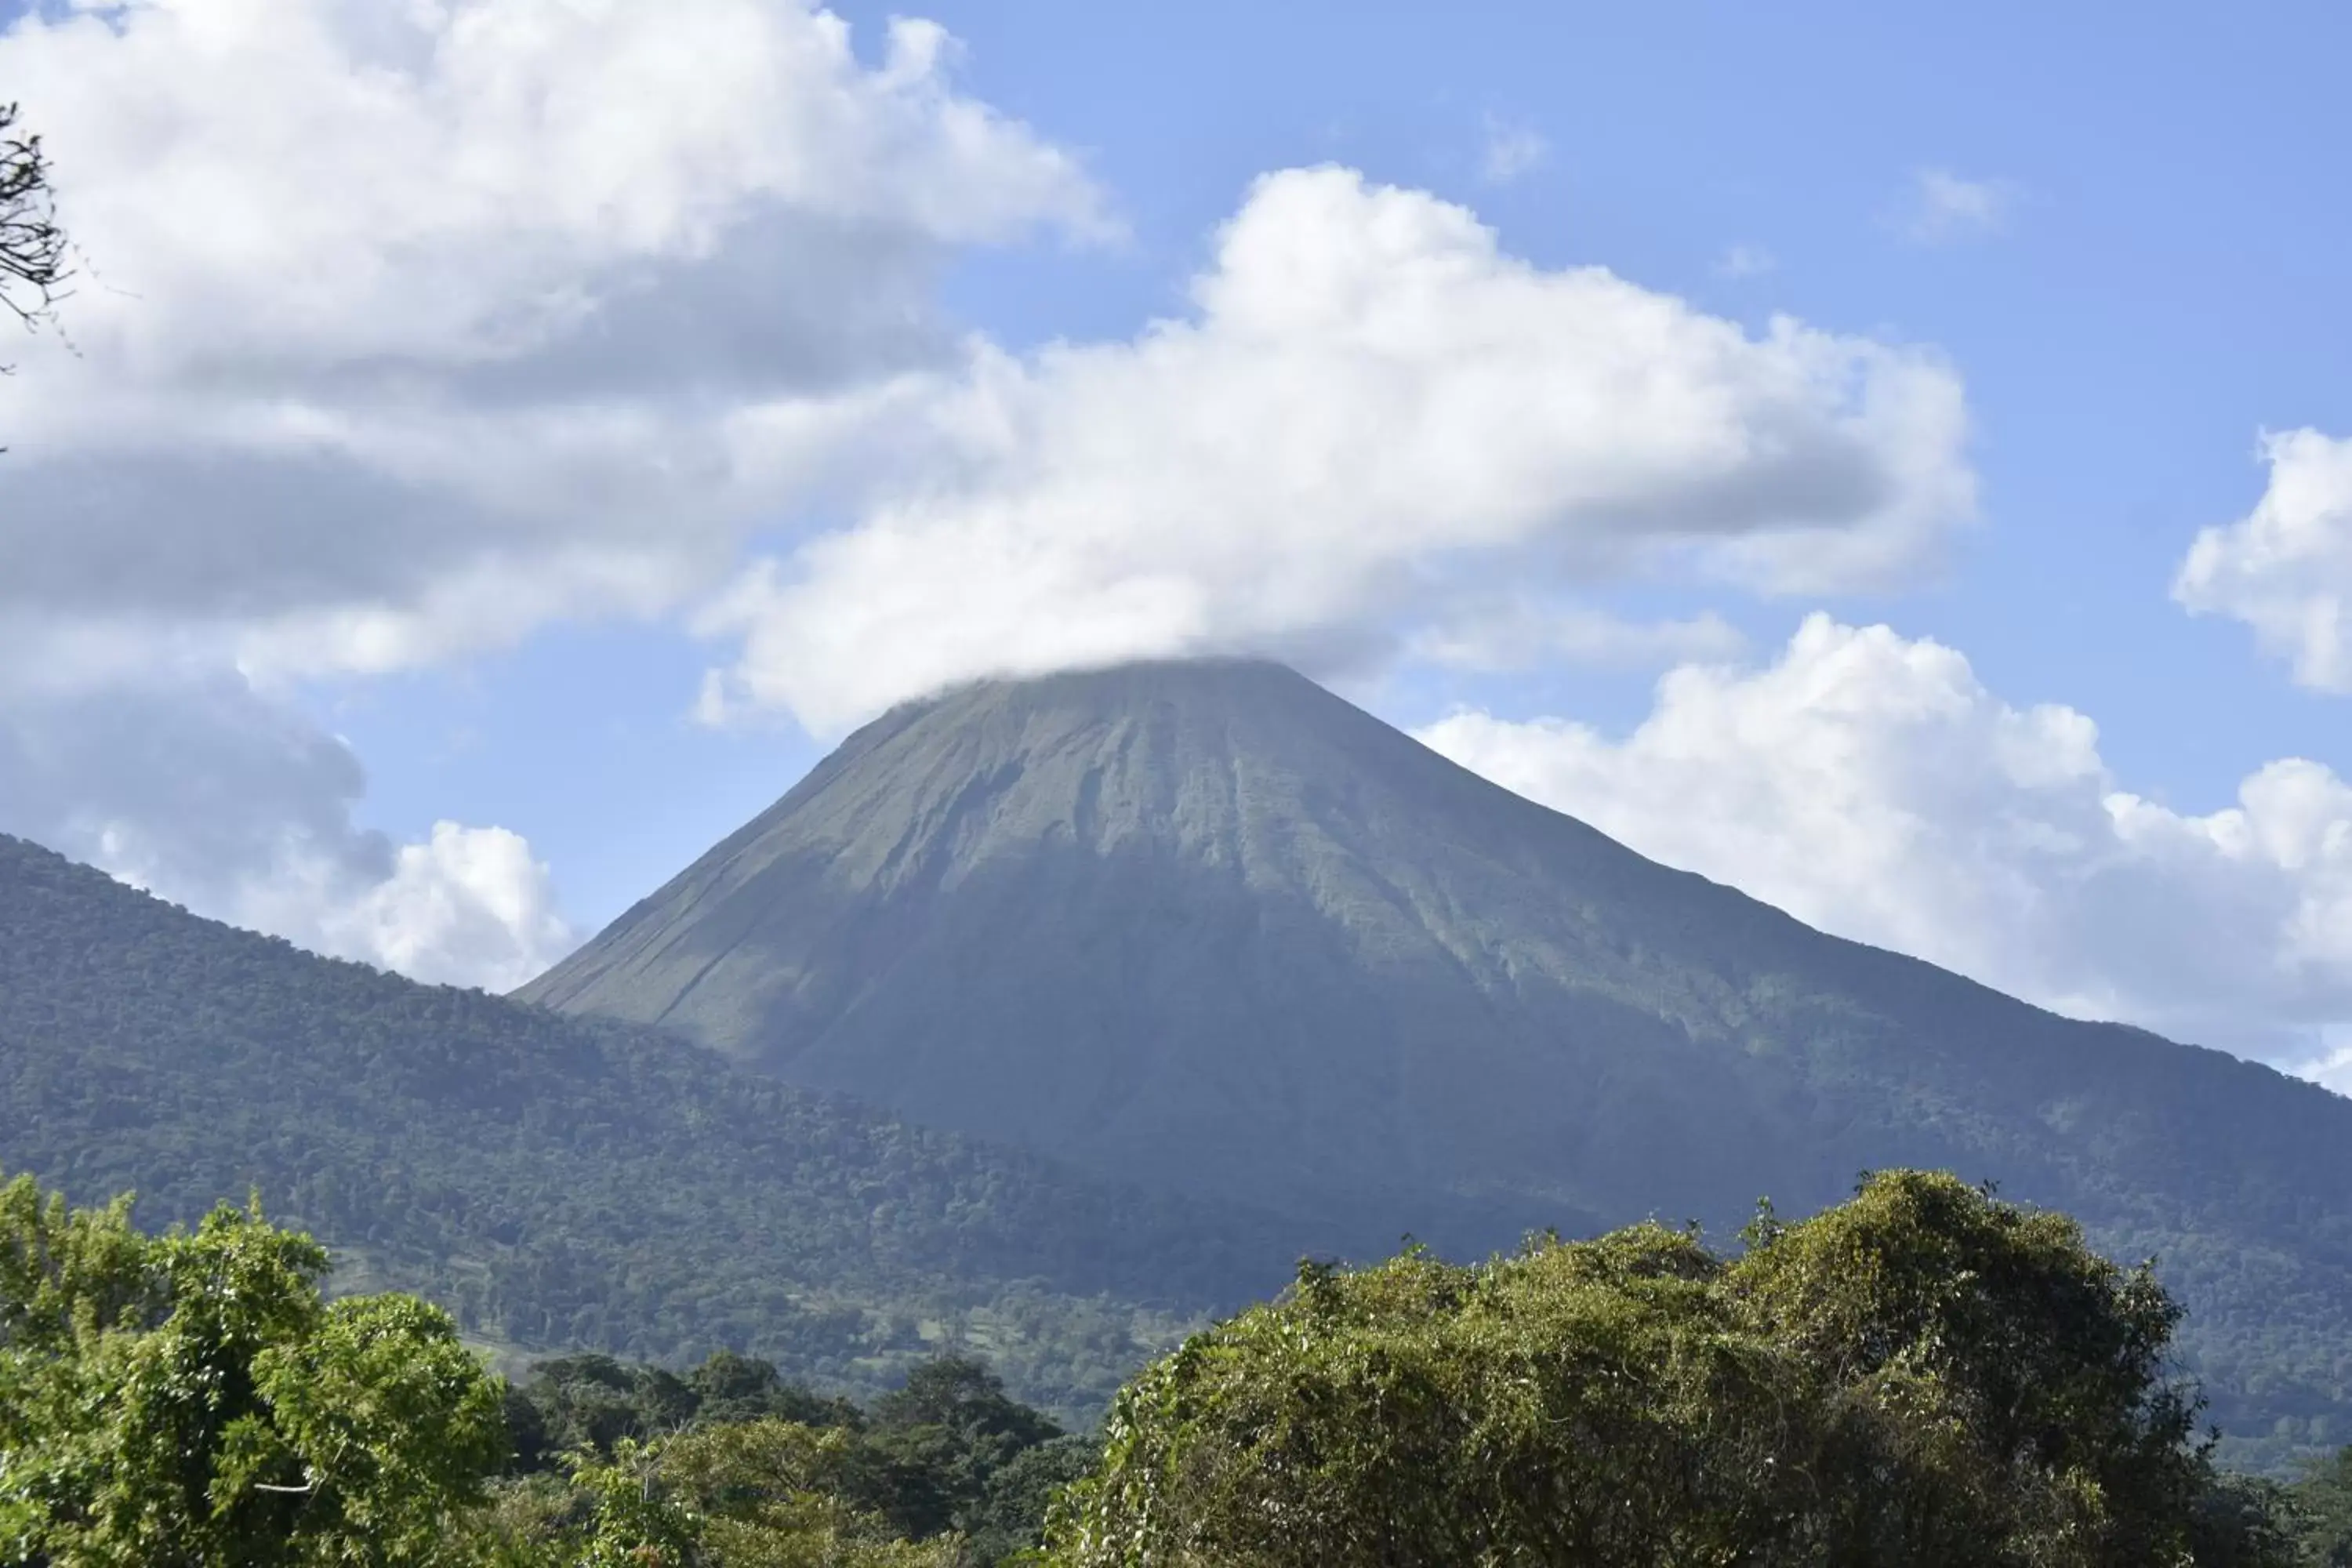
2117	234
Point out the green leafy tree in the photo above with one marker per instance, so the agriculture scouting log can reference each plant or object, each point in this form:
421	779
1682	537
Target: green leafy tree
729	1386
2323	1502
1924	1377
636	1523
191	1399
931	1456
1546	1408
948	1456
764	1493
1008	1515
1986	1378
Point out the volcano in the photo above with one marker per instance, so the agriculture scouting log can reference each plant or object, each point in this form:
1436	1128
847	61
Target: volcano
1209	927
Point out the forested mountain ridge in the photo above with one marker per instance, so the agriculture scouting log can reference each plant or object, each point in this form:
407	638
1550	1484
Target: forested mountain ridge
563	1183
1207	924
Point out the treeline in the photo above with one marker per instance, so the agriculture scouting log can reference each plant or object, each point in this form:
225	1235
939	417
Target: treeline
1923	1375
194	1399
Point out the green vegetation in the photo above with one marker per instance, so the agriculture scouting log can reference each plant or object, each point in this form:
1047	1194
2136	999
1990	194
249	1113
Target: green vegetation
190	1399
570	1186
2323	1509
1923	1375
946	1470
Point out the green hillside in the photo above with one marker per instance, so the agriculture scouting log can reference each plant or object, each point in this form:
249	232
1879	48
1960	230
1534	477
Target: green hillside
569	1185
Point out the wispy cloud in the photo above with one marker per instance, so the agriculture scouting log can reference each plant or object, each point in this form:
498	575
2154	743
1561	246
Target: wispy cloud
1941	207
1511	152
1744	261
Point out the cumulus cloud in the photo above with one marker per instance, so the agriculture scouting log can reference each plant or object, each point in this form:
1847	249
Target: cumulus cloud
1370	415
468	906
205	792
1871	785
407	326
2285	568
1941	207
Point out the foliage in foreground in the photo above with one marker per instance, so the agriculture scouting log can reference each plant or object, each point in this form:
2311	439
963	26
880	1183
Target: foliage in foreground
2321	1508
190	1399
730	1454
1923	1375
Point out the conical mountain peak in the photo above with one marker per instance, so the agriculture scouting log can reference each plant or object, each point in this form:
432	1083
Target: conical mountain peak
1128	915
1184	751
1210	927
1208	923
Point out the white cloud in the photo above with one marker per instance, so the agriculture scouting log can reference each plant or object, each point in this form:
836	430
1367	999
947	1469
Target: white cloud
2286	569
2333	1069
1744	261
1871	786
204	793
1372	417
469	906
407	326
1941	207
1511	152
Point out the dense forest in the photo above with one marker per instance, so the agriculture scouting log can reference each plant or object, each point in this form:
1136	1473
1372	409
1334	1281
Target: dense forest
1924	1374
570	1186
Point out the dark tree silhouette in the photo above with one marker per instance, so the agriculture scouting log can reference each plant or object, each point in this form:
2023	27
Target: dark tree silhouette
32	246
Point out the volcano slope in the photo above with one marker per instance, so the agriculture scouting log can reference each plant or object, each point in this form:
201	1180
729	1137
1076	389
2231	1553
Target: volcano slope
1208	927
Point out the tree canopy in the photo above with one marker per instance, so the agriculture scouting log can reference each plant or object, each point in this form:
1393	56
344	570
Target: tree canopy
1923	1375
2322	1506
190	1398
